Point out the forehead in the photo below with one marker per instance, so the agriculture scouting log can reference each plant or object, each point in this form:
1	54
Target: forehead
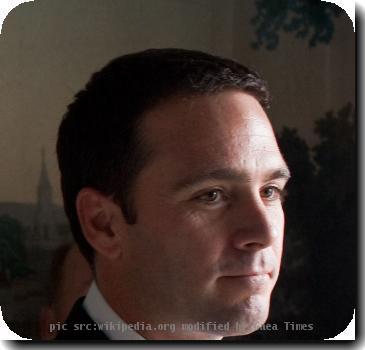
220	124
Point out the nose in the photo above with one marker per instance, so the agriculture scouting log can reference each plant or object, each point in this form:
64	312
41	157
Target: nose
256	225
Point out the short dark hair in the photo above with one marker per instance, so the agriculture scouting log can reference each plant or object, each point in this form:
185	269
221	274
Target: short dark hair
98	143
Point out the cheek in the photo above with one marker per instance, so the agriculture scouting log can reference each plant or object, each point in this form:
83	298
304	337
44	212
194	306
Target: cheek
177	234
196	243
278	219
278	222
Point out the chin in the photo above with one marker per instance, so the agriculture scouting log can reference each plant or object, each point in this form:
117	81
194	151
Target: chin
251	314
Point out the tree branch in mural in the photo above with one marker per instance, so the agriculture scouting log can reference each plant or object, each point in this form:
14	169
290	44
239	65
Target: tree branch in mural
311	20
12	250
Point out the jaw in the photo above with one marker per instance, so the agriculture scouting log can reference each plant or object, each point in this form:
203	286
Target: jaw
244	311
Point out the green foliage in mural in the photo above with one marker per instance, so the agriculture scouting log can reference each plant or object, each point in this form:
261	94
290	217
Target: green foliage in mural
310	20
320	259
12	250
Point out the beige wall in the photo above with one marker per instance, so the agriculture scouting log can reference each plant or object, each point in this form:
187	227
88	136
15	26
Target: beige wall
48	49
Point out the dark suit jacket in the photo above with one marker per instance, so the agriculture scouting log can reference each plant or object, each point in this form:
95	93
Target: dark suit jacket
80	326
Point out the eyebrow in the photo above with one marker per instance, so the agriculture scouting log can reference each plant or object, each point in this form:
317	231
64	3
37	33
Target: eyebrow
229	174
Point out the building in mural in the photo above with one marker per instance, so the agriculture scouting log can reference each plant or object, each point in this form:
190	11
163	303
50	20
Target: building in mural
30	235
47	232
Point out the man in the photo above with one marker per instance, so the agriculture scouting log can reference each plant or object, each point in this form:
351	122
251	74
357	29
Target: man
172	181
67	284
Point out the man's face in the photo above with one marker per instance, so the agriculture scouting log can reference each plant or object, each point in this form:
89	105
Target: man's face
208	240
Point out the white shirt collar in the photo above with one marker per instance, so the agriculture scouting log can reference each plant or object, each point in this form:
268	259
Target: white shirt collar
106	318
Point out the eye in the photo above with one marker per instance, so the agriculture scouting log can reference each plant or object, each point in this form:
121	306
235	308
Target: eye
272	193
211	197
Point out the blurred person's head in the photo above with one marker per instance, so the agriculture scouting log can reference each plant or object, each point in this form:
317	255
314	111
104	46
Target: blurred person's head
172	179
69	279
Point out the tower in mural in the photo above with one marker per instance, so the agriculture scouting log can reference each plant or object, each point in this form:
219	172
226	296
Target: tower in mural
45	232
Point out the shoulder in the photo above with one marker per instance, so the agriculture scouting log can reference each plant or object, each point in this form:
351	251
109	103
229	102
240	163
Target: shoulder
80	326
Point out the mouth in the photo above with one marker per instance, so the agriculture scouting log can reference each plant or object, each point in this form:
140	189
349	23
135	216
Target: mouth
254	282
264	273
252	277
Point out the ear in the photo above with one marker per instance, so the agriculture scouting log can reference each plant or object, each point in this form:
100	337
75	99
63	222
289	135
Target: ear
100	219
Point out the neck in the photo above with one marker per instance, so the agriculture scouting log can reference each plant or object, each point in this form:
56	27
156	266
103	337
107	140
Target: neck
149	324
